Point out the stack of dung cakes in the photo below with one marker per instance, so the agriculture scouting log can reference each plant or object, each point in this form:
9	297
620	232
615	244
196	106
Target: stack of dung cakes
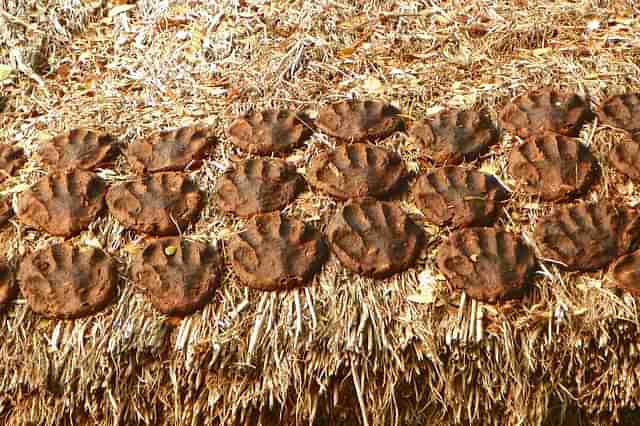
177	274
12	158
486	261
163	200
67	279
623	112
369	236
65	201
273	252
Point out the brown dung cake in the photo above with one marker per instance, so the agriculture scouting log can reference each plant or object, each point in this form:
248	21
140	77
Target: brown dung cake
625	157
62	203
356	170
269	132
453	136
374	238
622	111
179	276
489	264
587	236
276	253
11	159
545	110
625	272
258	185
170	150
8	289
459	197
551	166
6	211
78	149
155	204
355	120
65	281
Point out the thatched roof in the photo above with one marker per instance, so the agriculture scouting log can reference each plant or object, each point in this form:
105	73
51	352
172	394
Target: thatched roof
406	350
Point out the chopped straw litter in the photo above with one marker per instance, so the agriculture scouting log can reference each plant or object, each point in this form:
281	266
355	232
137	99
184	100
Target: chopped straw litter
344	350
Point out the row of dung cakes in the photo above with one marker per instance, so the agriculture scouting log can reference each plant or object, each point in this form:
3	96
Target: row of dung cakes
368	236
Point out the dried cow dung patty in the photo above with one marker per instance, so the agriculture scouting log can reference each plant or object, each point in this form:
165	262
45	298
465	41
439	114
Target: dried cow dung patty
63	203
11	159
622	111
625	272
65	281
489	264
6	211
170	150
552	166
374	238
458	197
78	149
354	120
269	132
155	204
454	136
8	289
179	276
356	170
258	185
625	157
544	110
587	236
276	253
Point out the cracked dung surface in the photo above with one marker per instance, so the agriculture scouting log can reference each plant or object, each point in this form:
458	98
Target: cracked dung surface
543	110
170	150
459	197
374	238
354	120
62	203
65	281
587	236
276	253
489	264
178	276
356	170
453	136
270	131
552	167
258	185
155	204
78	149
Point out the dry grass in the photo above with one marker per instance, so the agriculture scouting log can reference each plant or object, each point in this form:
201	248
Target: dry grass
406	350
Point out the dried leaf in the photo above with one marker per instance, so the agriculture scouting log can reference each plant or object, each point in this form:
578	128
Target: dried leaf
543	51
490	167
93	242
422	298
132	249
43	135
346	52
5	71
373	85
354	22
120	9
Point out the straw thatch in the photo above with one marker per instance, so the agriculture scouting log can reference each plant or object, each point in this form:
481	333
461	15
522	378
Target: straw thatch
345	350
